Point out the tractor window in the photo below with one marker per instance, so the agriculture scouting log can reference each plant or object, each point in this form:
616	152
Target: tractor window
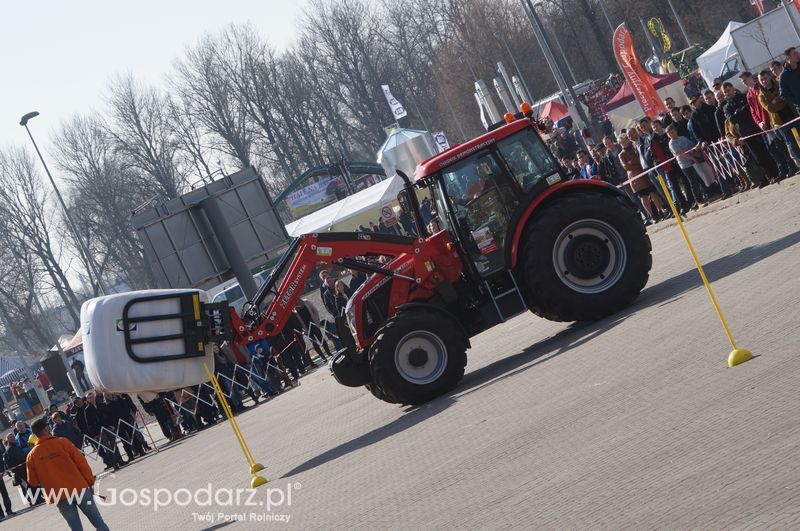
483	199
528	158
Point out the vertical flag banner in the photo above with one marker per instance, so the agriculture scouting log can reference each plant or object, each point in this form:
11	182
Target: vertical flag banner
398	111
635	75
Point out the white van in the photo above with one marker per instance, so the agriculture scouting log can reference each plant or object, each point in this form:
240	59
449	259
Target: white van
231	291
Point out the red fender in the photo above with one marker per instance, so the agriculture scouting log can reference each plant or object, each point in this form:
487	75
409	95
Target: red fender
570	186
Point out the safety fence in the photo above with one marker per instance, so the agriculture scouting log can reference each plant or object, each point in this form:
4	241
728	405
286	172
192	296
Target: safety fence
726	157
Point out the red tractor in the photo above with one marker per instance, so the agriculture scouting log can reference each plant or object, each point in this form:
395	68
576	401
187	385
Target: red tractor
502	232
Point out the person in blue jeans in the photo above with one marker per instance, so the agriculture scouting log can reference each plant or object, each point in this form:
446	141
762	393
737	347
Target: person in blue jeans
780	111
260	370
64	477
687	157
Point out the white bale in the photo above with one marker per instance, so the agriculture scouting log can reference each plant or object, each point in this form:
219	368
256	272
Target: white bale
111	368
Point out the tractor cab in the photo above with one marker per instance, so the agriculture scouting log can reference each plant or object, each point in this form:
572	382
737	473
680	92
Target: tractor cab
480	190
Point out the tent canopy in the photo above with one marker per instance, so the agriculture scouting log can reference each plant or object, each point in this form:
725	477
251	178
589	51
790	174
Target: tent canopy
711	62
70	344
625	116
625	95
369	199
555	110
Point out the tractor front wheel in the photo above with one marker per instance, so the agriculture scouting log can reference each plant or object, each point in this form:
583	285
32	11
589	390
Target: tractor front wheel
417	355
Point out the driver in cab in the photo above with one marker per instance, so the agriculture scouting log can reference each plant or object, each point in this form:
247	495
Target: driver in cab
483	182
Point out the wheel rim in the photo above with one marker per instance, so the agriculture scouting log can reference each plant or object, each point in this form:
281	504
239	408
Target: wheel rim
589	256
420	357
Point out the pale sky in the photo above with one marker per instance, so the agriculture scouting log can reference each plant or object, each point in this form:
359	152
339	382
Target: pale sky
57	57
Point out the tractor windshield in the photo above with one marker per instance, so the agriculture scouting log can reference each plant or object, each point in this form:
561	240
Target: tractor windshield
528	158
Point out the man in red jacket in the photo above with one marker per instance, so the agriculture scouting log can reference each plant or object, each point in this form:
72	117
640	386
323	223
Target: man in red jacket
64	476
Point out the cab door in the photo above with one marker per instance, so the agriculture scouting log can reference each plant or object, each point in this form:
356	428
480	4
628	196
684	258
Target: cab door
483	198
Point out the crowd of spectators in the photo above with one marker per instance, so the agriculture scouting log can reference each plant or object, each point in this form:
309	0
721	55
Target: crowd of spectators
725	142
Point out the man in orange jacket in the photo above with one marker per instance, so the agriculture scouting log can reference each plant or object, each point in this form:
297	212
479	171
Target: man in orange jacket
64	476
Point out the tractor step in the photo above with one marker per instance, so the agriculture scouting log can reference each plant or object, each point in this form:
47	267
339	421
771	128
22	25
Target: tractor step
506	296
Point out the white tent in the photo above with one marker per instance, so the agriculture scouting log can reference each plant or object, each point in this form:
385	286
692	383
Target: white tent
347	214
713	59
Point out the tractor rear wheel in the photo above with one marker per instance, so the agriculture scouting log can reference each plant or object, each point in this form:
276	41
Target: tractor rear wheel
587	256
417	355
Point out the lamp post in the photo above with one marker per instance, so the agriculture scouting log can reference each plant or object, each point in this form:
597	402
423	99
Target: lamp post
544	43
605	13
81	246
680	23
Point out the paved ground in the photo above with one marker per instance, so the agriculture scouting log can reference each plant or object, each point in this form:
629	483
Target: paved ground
630	423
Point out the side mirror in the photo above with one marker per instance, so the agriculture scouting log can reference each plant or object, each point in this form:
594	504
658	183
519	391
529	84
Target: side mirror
404	200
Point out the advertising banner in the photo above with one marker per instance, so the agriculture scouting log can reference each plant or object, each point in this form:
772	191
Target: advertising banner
314	196
635	74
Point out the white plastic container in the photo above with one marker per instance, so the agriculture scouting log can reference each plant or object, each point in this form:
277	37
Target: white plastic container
116	367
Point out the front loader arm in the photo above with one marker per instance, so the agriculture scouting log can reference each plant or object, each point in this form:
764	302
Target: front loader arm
303	254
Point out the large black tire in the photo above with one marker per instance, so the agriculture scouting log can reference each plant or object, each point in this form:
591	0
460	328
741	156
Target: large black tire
378	393
587	256
417	355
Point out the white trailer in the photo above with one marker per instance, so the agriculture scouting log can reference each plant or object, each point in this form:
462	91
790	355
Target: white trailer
764	39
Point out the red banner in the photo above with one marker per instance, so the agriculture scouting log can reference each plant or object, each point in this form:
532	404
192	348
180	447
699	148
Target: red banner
797	4
635	75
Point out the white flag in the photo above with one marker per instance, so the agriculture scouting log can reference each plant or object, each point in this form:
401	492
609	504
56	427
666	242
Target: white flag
398	111
441	140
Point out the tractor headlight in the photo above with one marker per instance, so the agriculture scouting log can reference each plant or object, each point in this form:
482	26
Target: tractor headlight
350	314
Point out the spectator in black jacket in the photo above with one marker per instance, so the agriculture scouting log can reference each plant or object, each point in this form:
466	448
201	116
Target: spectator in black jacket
97	417
118	410
3	489
359	277
65	428
703	121
789	80
14	461
737	112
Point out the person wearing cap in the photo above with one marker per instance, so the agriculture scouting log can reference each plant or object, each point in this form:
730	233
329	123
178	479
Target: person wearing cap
64	477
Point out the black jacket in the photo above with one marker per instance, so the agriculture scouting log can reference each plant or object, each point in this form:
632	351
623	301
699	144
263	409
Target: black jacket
355	283
77	416
329	300
704	123
607	170
738	112
68	431
13	457
683	128
94	418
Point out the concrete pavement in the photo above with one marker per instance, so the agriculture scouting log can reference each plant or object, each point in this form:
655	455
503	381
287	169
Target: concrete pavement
634	422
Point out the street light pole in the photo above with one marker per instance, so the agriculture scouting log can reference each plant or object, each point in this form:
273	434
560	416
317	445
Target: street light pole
605	13
680	24
81	246
544	43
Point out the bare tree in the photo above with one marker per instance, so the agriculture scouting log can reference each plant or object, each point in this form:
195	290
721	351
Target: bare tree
104	190
26	217
140	125
209	95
